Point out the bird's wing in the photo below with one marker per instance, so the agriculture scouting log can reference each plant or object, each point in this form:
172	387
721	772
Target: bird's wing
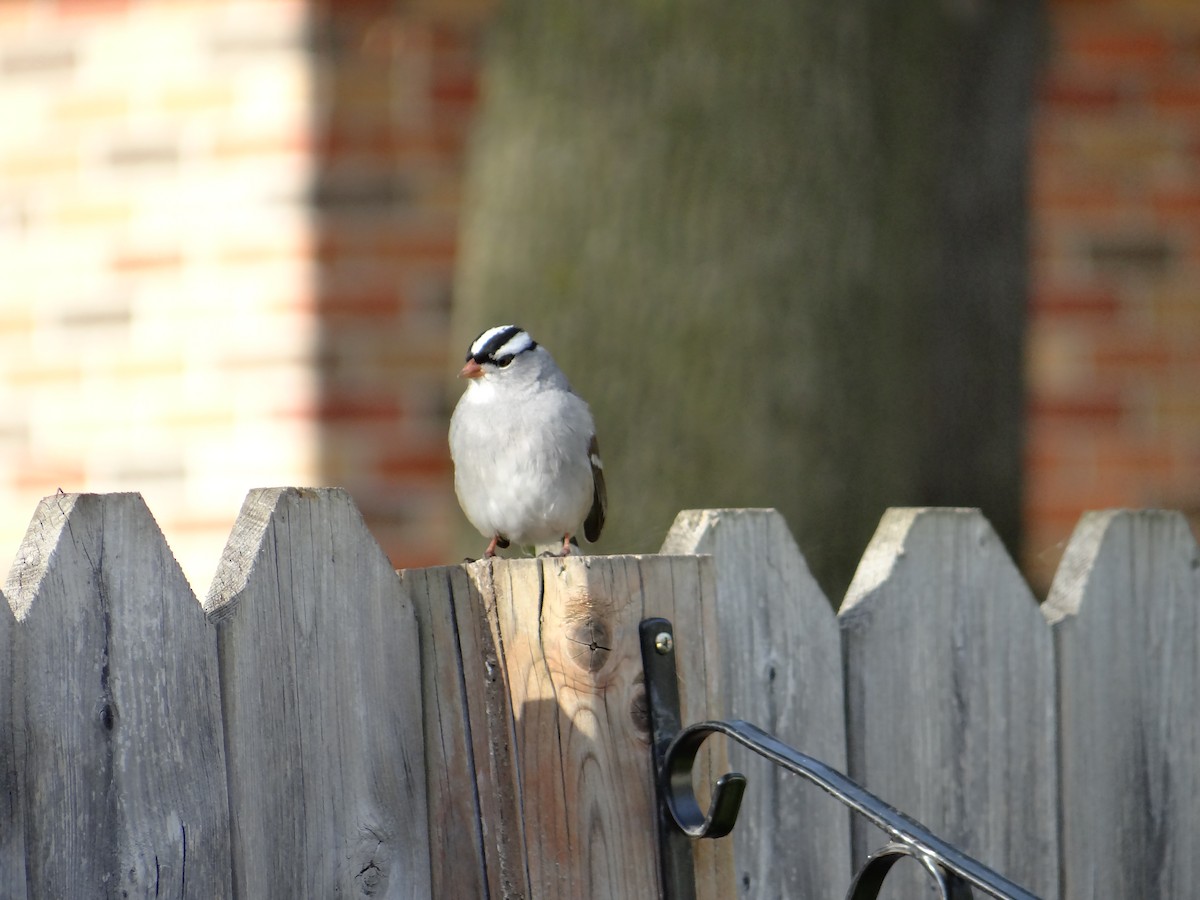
594	523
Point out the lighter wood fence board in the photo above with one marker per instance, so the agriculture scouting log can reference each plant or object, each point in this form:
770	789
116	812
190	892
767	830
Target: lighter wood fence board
124	778
547	654
781	667
321	684
950	693
12	740
1126	608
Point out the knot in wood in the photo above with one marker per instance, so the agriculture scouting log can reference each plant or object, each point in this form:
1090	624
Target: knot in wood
639	712
369	879
587	631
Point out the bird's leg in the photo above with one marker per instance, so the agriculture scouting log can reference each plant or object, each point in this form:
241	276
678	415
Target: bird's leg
566	550
491	548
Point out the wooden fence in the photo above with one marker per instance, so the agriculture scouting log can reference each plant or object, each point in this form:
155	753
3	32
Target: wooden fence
321	726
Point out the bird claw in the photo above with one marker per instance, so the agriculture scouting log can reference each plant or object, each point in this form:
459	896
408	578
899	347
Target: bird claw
559	554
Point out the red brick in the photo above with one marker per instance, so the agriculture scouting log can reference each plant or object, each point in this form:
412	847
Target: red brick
290	143
1096	301
1056	514
381	304
1176	96
1080	199
356	407
344	10
1066	94
133	261
455	89
1043	456
1145	356
79	8
341	141
400	465
1179	203
1116	47
417	246
1099	410
46	478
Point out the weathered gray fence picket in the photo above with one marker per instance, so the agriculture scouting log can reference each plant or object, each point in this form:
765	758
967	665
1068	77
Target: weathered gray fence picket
320	685
12	735
323	726
781	668
121	773
948	660
1126	611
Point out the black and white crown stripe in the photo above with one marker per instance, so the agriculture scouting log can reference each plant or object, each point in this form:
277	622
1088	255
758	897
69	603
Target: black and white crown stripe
500	344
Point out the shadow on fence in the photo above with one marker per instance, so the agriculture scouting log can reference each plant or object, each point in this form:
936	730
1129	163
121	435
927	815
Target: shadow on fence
322	725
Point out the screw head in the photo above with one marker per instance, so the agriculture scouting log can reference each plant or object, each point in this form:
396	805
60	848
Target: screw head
664	643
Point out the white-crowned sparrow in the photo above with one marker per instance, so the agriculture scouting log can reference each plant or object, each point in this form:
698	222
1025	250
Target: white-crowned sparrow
526	465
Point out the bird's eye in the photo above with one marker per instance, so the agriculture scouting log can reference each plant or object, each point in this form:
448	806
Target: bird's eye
504	361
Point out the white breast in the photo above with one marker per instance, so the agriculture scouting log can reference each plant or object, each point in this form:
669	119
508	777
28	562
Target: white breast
521	466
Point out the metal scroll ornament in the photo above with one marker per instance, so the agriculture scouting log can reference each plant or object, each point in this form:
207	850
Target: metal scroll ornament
954	874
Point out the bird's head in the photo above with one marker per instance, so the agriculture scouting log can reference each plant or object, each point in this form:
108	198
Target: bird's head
496	350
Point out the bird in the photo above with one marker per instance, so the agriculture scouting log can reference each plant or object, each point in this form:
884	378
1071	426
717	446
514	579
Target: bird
527	466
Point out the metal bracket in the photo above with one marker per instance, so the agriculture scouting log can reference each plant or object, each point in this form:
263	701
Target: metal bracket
953	873
677	874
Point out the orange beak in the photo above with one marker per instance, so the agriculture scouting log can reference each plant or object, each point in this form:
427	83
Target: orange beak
471	370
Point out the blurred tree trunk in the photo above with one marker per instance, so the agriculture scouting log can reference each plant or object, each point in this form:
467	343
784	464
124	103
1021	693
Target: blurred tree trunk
779	247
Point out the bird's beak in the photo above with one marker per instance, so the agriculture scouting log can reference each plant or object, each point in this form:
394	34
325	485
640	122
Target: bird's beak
471	370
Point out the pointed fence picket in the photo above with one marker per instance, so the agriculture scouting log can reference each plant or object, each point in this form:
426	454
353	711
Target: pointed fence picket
781	668
949	661
325	726
1126	611
122	779
320	684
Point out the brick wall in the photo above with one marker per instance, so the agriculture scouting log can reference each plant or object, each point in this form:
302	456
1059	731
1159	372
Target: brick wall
1114	365
156	320
397	88
226	243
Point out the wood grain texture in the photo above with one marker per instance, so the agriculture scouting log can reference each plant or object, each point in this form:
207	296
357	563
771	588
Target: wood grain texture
12	734
781	669
950	694
321	689
124	775
474	814
1125	605
564	634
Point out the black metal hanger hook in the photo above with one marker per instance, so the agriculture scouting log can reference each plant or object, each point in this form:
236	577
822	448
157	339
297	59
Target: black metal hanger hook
681	796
